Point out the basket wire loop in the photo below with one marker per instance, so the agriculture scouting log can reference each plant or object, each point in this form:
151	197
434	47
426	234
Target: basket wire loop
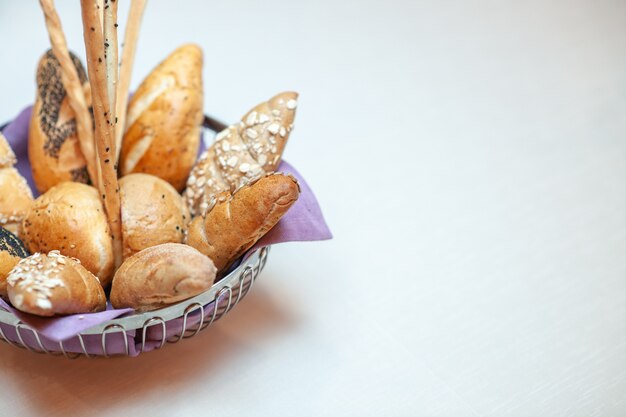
110	329
18	329
67	354
190	309
6	339
149	323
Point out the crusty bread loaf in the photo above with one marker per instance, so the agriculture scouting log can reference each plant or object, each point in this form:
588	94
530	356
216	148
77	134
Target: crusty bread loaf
16	198
7	156
12	250
160	276
70	218
163	119
242	152
53	147
234	223
152	213
53	284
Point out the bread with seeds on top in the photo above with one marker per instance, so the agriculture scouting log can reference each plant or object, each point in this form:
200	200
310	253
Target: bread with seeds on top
242	152
53	284
70	218
162	135
53	147
234	223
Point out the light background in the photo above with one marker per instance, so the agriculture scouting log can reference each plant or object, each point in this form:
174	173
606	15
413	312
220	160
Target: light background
470	157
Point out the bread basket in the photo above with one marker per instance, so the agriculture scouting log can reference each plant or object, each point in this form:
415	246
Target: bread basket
134	334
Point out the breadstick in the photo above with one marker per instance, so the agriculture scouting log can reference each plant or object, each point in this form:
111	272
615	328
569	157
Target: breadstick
73	87
126	68
96	66
110	56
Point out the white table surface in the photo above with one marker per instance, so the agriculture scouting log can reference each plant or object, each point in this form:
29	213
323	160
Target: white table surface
470	157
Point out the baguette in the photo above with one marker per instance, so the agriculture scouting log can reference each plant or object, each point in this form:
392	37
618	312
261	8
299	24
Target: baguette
235	223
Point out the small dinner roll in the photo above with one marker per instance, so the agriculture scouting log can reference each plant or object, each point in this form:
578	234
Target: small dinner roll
12	250
7	157
53	284
152	213
70	218
161	275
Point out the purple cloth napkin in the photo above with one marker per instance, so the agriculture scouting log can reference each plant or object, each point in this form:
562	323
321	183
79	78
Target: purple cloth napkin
303	222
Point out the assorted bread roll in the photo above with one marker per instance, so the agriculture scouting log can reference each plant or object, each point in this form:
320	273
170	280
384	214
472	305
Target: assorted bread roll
160	276
70	218
163	120
53	284
16	196
152	213
242	152
53	146
236	222
12	250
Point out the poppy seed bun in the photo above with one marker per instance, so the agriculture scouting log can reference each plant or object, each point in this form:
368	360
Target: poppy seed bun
162	134
12	250
152	213
53	147
70	218
160	276
53	284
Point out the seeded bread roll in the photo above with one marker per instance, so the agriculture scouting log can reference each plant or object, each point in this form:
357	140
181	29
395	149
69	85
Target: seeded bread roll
161	275
70	218
152	213
163	119
53	284
242	152
16	198
53	147
237	222
7	157
12	250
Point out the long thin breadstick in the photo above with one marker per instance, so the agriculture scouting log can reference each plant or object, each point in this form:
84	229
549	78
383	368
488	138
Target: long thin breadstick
126	68
73	87
96	65
110	56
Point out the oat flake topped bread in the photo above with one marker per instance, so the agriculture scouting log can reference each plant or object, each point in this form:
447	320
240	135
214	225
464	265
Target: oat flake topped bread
53	146
53	284
242	152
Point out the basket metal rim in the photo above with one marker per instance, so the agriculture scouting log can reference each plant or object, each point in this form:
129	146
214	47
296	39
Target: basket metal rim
136	321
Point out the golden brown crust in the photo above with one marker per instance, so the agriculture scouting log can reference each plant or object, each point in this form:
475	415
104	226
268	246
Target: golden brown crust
160	276
7	157
16	199
236	223
53	284
152	213
163	119
53	147
242	152
70	218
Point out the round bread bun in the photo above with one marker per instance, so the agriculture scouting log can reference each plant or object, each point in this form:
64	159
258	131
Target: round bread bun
70	218
12	250
152	213
53	147
161	275
53	284
16	199
163	121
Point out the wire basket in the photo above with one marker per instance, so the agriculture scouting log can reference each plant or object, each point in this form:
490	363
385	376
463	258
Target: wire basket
134	334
